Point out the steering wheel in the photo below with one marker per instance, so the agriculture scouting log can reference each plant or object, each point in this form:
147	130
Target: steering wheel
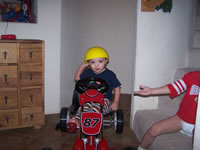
91	83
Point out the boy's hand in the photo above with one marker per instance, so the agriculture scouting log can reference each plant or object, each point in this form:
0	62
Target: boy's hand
84	65
80	70
144	91
114	107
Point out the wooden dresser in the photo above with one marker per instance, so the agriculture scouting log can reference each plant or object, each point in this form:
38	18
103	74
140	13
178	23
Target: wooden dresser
21	83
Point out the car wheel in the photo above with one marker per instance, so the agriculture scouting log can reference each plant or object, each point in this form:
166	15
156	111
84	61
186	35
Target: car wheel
119	121
64	118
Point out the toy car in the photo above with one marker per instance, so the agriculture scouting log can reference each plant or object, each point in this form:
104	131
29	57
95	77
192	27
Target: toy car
91	89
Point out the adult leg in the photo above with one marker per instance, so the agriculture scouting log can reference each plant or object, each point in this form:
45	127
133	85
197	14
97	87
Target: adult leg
169	125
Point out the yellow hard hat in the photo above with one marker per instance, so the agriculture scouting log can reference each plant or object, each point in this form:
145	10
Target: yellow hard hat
95	52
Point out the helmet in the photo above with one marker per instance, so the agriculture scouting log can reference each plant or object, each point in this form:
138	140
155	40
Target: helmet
95	52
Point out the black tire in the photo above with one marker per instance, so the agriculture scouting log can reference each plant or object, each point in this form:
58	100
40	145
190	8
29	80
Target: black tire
119	118
64	118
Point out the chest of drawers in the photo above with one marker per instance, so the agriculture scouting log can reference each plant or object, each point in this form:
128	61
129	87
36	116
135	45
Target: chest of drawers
21	83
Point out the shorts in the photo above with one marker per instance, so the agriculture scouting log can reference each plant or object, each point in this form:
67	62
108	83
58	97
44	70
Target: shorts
187	128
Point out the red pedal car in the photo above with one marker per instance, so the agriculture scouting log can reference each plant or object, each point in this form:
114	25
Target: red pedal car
91	89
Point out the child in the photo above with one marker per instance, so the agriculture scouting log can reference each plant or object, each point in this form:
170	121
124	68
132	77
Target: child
184	119
94	65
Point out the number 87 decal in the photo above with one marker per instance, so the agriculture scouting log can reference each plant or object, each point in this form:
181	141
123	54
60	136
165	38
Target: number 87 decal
88	122
91	122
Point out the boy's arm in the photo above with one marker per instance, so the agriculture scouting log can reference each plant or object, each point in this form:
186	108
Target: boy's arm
147	91
115	102
80	70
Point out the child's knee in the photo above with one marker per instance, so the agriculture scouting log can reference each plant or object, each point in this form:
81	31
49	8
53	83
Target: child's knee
154	130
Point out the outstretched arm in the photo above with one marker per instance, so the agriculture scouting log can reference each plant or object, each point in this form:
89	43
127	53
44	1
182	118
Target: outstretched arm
147	91
80	70
115	102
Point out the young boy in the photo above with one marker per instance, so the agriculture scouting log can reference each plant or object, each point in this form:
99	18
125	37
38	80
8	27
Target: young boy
94	65
184	119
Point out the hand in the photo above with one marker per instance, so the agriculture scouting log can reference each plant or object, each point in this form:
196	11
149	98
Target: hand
114	107
80	70
84	65
144	91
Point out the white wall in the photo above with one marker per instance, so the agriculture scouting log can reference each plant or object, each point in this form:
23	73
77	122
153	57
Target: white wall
161	47
48	29
71	48
194	52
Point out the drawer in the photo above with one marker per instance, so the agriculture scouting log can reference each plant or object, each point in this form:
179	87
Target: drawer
32	116
8	52
30	75
31	97
8	99
30	53
9	119
8	76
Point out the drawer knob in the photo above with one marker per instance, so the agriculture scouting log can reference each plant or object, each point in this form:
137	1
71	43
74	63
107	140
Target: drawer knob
5	54
5	77
7	119
30	54
31	75
31	97
6	99
31	116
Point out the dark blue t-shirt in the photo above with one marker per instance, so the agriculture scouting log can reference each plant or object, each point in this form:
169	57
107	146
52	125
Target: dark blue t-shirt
108	76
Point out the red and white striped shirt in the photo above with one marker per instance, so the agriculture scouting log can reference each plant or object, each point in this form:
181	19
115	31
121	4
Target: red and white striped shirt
190	84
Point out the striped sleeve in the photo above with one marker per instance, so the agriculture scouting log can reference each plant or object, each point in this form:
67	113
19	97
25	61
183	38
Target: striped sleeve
177	87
